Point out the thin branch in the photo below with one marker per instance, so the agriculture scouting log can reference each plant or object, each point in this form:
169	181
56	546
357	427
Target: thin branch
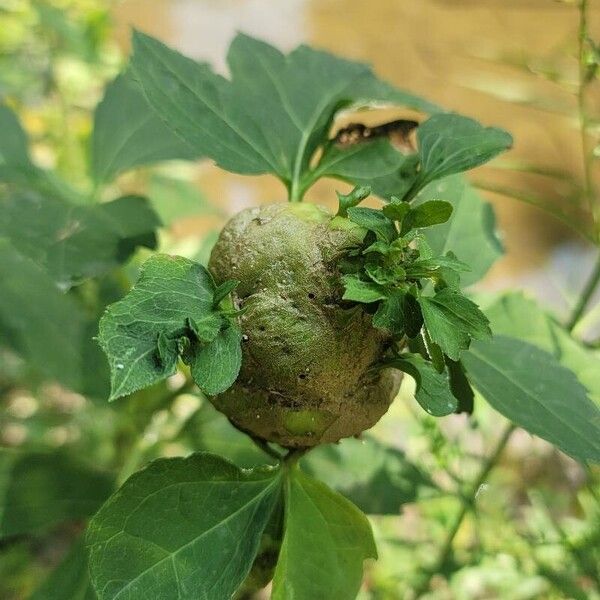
532	200
446	549
584	80
586	296
266	448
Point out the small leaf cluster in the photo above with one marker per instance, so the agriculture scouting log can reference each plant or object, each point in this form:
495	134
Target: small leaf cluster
414	295
174	311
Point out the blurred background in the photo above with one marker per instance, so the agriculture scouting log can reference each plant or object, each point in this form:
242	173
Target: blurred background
511	63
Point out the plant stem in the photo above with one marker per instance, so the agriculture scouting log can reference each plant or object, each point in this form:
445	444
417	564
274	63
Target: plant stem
586	295
264	446
295	190
584	80
490	463
467	503
293	456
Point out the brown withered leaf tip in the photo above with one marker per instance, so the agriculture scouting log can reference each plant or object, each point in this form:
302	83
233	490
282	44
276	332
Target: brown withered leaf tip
398	131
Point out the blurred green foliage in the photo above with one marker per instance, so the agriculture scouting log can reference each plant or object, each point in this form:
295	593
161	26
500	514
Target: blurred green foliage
55	56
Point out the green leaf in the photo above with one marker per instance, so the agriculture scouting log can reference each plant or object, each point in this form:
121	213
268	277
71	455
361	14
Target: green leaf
376	164
43	325
41	490
216	365
515	315
390	274
470	233
325	543
188	527
169	291
460	386
396	209
375	221
357	290
223	290
433	390
274	112
379	479
205	330
428	266
432	212
530	388
400	314
13	140
355	197
450	143
128	133
70	580
74	242
452	320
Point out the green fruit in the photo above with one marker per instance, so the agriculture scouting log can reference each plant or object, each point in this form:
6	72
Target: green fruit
307	373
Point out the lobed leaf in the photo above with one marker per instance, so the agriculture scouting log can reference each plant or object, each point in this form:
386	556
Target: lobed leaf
452	320
128	133
470	232
169	291
325	543
170	312
450	144
530	387
433	391
274	112
188	528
